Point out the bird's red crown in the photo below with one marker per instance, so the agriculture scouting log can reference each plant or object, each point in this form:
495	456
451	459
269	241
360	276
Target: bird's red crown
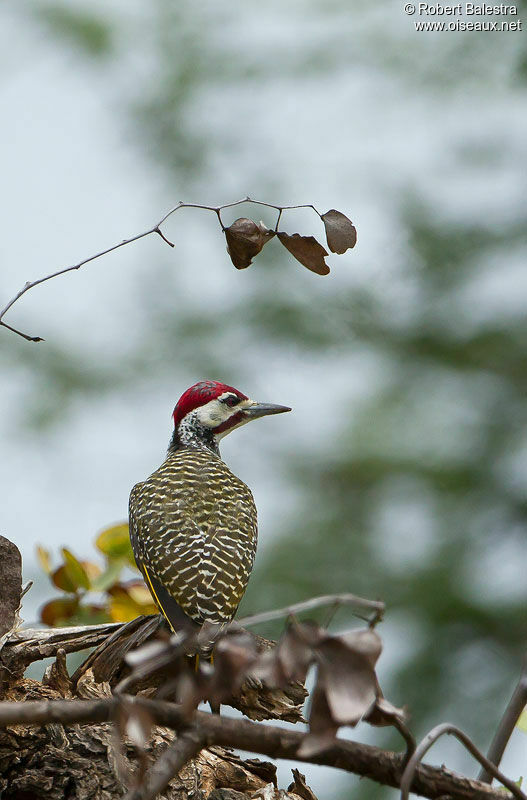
200	394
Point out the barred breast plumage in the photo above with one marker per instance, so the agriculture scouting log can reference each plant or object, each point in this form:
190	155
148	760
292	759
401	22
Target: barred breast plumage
193	528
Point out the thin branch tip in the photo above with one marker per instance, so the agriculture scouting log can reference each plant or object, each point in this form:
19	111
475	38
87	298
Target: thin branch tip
155	229
165	239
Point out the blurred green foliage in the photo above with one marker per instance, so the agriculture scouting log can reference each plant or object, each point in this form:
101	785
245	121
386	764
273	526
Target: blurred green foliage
93	594
83	29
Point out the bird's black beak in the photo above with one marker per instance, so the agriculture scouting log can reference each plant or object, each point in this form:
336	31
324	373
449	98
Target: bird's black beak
263	409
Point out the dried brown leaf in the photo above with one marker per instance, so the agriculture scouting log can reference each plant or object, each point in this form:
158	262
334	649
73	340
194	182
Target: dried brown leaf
289	661
348	681
307	250
384	713
156	655
346	685
295	650
245	239
340	231
367	643
322	727
234	656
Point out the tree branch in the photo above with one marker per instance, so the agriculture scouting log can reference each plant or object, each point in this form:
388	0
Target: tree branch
154	229
316	602
31	284
432	737
385	767
507	724
26	646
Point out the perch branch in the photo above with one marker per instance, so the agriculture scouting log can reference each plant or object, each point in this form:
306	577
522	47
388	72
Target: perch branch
383	766
26	646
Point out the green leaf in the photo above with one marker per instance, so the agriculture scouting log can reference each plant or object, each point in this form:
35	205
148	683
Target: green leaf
108	578
62	580
75	570
124	608
91	614
114	542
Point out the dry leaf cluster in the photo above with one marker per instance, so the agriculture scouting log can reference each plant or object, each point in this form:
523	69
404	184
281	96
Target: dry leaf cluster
346	689
246	238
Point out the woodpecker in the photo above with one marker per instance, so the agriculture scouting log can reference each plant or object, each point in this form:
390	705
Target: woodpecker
193	523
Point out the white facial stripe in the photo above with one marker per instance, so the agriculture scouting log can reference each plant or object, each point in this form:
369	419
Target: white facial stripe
215	413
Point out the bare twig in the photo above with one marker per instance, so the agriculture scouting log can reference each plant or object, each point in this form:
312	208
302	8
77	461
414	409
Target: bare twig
507	724
316	602
154	229
452	730
408	737
31	284
382	766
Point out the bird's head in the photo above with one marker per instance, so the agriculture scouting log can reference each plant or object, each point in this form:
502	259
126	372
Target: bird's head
210	410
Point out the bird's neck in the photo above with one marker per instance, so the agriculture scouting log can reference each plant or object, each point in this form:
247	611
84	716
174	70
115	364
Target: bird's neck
191	433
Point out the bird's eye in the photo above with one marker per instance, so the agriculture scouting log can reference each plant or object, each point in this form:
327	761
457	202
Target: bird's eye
231	401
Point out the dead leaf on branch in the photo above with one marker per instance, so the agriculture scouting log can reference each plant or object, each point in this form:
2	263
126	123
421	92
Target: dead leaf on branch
307	250
383	713
341	233
234	655
322	728
245	239
346	686
290	660
346	674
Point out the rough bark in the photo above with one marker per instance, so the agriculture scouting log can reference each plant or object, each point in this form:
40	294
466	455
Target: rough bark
88	762
91	761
